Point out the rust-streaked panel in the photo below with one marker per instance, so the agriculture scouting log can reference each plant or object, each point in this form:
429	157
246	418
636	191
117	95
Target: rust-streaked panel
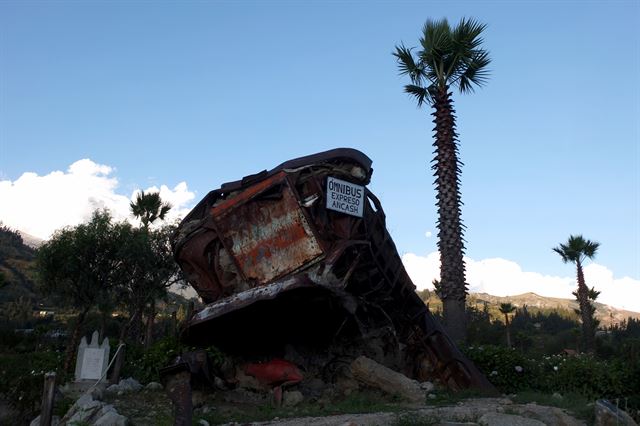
268	236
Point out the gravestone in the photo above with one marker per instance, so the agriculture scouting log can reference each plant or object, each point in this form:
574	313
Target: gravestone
93	359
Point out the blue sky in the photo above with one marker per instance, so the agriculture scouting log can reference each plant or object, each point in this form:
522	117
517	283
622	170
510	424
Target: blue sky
207	92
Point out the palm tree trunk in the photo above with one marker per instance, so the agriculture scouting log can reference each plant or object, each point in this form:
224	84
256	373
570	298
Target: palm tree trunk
148	338
588	332
103	325
450	243
119	362
74	341
506	319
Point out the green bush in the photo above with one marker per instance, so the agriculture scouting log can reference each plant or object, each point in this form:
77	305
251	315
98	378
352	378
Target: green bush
511	372
22	379
507	369
143	365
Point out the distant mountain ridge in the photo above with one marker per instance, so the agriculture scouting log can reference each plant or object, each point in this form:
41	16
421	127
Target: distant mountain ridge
606	314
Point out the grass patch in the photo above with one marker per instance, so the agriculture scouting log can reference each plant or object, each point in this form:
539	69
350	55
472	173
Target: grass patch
356	403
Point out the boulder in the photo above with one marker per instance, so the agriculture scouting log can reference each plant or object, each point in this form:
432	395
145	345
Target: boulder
130	385
112	418
86	410
153	386
97	393
378	376
292	398
83	413
427	386
608	414
548	415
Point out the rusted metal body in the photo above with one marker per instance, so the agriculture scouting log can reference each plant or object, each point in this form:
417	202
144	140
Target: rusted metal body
278	269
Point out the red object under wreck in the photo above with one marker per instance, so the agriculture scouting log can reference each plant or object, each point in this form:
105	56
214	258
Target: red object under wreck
275	372
300	257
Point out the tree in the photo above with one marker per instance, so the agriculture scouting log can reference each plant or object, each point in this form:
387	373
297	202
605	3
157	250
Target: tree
448	57
151	270
576	250
79	267
149	208
506	309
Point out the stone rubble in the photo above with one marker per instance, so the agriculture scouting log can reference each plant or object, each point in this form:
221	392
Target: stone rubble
89	409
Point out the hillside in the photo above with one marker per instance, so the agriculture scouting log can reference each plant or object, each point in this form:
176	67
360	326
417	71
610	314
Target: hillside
30	240
17	267
607	315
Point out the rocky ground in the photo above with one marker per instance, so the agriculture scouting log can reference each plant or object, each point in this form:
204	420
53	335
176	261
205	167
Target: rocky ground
150	406
368	394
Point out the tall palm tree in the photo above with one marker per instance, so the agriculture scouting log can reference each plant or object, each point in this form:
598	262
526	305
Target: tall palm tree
576	250
149	208
448	57
506	309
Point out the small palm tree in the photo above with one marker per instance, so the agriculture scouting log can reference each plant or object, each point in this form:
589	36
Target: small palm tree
448	57
506	309
576	250
149	208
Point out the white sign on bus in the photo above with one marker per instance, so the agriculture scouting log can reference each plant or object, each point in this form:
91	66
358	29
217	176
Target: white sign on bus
345	197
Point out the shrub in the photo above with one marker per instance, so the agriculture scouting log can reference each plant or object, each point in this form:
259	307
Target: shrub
143	365
507	369
22	378
510	372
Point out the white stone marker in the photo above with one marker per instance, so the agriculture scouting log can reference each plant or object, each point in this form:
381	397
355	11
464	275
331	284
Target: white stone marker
93	359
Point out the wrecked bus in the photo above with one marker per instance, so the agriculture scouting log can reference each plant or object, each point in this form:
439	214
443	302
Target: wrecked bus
297	263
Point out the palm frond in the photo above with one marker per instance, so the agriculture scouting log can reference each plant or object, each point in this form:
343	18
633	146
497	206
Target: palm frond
436	45
421	94
475	73
408	66
466	35
562	250
577	249
149	207
436	36
447	57
507	308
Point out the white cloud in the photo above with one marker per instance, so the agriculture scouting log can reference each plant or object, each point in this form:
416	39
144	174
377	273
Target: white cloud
39	205
428	234
502	277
